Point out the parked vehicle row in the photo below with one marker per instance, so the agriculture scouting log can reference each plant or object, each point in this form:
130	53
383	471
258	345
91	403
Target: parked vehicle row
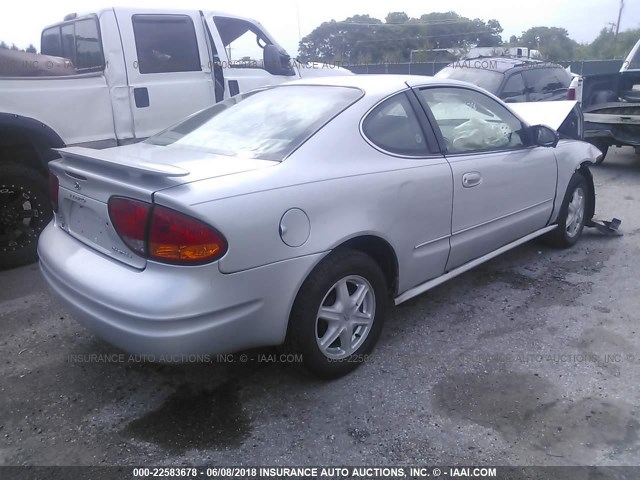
298	214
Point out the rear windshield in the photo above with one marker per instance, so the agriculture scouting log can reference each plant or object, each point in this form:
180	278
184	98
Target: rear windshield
268	124
487	79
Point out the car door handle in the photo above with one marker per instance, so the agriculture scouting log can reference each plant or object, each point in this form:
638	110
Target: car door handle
471	179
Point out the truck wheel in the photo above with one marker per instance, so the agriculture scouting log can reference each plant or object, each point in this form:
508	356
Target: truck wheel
573	214
24	212
338	314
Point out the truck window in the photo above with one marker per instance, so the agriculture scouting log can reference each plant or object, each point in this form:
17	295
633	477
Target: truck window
79	41
88	49
243	42
68	42
50	43
166	43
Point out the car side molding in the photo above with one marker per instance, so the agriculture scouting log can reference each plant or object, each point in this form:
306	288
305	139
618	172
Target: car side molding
415	291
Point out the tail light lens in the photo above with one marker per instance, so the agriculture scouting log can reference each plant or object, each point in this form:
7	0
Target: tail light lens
54	187
571	94
130	219
177	238
162	234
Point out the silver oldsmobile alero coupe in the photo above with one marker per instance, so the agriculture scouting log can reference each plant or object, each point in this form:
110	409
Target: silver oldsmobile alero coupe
297	214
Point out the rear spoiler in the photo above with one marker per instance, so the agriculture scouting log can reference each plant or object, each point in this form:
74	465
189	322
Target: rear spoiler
121	161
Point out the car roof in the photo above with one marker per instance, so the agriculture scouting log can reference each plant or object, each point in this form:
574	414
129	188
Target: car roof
378	83
503	64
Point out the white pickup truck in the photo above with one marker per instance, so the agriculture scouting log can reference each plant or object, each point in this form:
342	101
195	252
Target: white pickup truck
114	77
611	105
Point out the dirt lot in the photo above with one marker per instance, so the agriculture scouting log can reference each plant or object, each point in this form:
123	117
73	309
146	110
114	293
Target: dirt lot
533	359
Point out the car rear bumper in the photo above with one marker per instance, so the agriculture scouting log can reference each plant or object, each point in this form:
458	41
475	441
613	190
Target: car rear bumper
170	310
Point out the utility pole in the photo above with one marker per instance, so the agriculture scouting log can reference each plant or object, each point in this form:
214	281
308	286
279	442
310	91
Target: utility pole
298	13
615	38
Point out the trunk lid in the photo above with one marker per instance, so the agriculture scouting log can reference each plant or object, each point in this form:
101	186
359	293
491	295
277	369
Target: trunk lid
88	178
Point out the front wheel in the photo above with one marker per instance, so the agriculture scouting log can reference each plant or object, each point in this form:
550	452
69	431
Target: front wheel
338	314
24	212
573	213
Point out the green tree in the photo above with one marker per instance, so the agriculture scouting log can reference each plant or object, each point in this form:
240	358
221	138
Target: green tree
397	18
31	49
362	38
553	43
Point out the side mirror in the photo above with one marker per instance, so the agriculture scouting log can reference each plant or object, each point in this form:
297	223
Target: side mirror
277	61
544	136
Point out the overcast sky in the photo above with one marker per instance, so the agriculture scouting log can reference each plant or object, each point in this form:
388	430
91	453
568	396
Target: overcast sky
22	21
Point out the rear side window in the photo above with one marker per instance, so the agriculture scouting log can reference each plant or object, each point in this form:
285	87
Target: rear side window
514	90
268	124
166	43
546	81
394	127
50	43
79	41
87	47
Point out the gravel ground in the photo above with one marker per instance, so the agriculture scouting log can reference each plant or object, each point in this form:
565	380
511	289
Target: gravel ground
532	359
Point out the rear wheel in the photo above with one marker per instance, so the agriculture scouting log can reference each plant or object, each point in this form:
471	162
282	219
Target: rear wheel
338	314
573	213
24	212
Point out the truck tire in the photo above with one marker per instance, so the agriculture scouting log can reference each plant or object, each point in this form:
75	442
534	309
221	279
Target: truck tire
24	212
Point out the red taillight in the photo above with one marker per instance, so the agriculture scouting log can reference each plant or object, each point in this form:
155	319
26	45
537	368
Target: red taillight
159	233
130	219
571	94
176	238
54	187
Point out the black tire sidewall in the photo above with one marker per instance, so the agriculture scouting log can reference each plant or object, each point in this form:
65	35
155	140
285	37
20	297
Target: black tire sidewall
302	326
27	180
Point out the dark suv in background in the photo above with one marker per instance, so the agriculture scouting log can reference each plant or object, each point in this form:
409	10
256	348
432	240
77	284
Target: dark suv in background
512	79
517	80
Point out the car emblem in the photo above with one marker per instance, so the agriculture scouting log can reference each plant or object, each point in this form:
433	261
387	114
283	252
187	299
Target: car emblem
77	186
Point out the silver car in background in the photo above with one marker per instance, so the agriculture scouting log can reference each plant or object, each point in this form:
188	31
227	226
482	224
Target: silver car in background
297	214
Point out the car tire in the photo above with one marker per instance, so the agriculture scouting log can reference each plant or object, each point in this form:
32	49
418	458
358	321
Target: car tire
573	214
24	212
346	293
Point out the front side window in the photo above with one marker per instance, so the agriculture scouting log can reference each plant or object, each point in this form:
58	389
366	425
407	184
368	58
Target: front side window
394	127
166	43
267	125
79	41
243	41
472	122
